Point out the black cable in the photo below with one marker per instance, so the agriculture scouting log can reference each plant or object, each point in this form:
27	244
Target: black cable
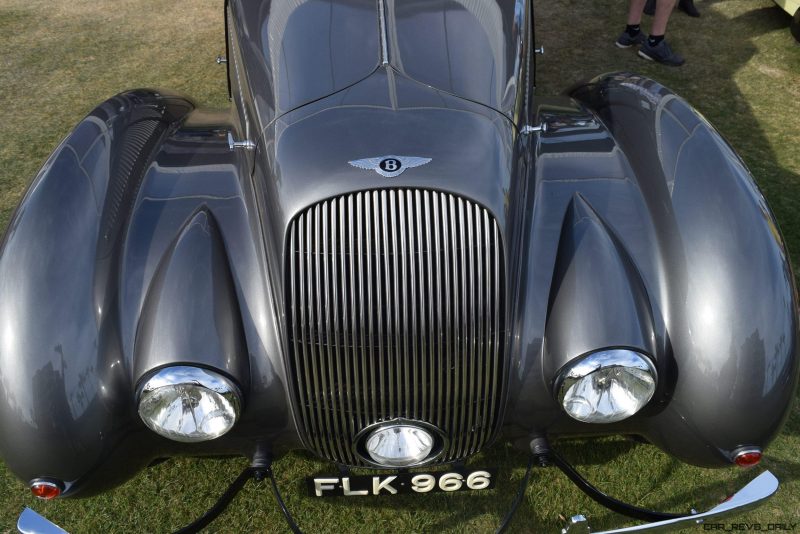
221	504
518	499
286	514
609	502
584	485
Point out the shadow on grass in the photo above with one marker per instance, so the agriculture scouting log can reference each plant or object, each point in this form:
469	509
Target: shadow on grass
793	422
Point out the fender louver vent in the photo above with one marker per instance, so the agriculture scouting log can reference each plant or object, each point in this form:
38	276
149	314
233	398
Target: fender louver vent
132	154
395	307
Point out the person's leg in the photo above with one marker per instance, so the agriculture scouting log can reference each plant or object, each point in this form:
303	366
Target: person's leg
689	8
633	33
635	12
663	11
655	48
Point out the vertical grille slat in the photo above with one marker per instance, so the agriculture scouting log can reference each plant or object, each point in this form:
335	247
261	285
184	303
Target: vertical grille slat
470	272
496	331
423	333
324	317
413	260
438	328
358	417
382	309
487	318
392	276
405	355
370	363
395	301
317	397
481	387
466	353
430	331
447	245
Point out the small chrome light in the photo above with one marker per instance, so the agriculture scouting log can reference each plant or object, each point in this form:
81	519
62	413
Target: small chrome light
606	386
399	445
189	404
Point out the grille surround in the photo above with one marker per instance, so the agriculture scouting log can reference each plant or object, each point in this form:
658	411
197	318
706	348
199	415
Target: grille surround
395	310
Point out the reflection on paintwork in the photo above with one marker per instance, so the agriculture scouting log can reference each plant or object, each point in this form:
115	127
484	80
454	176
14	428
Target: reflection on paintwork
723	285
469	48
146	241
300	50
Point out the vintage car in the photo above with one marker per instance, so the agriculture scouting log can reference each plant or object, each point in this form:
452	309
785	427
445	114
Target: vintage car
392	253
792	7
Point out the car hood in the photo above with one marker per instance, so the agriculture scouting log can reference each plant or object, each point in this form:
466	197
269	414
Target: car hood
294	53
304	157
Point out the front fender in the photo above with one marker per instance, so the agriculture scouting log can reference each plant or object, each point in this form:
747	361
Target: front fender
727	294
139	245
63	378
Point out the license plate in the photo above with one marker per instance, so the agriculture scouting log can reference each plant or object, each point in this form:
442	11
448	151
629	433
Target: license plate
364	485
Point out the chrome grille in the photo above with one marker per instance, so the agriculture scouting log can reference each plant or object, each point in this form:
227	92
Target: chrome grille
395	307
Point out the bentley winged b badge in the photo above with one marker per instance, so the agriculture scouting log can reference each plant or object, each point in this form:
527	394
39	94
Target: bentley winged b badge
389	166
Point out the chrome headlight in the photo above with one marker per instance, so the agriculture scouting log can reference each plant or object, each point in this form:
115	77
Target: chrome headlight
606	386
189	404
399	445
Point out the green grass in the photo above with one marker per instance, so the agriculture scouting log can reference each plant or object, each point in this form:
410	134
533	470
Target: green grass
61	58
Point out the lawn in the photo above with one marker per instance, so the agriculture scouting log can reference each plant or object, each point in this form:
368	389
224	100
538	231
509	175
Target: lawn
59	58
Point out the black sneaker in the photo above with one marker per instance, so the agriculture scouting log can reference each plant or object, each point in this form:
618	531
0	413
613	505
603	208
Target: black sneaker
626	40
688	7
661	53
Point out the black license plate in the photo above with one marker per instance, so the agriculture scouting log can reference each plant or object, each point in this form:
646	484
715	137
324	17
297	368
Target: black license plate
364	485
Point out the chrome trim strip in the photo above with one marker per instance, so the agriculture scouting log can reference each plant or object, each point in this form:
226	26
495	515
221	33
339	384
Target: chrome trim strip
752	495
384	32
30	522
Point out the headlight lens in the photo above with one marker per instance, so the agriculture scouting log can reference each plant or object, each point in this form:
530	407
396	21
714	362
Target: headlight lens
189	404
606	386
399	445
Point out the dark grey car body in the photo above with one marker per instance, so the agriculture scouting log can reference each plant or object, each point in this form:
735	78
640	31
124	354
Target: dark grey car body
146	241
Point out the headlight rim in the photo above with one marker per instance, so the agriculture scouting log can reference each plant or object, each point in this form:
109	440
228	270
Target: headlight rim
212	379
609	357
